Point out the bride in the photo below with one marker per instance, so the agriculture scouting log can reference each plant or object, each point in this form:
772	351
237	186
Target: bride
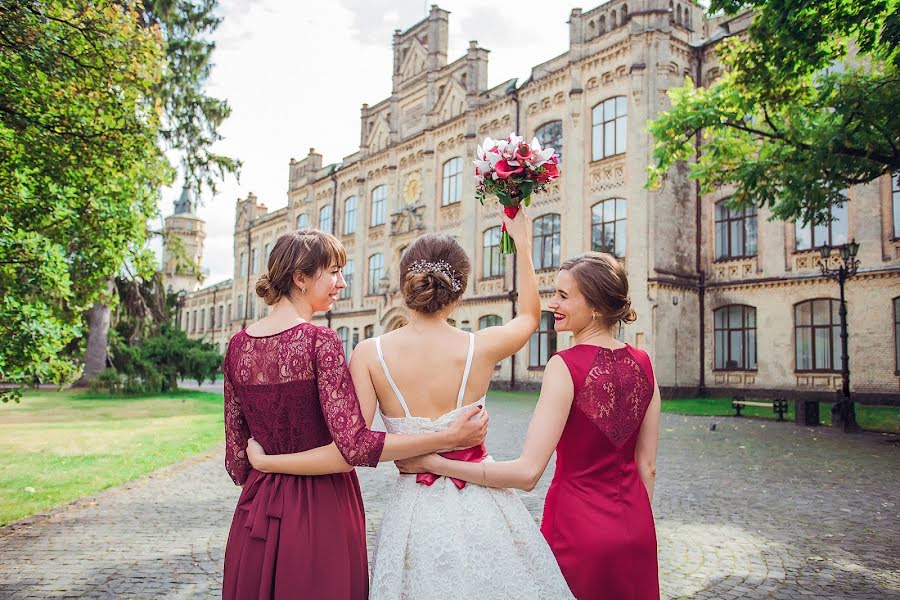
443	538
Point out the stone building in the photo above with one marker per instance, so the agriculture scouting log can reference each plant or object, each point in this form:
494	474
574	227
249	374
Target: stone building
725	299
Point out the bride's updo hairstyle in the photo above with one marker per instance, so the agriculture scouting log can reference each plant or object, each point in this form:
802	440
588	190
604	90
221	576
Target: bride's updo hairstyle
604	284
434	272
305	251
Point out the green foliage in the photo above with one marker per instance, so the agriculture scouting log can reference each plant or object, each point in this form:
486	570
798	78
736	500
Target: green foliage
806	108
155	364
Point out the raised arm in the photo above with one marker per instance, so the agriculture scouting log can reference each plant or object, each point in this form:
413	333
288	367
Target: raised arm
236	433
547	423
349	416
505	340
648	442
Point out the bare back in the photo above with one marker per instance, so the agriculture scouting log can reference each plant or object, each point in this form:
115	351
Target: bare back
428	369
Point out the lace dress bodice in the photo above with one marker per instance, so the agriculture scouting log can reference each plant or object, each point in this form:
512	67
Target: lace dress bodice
292	392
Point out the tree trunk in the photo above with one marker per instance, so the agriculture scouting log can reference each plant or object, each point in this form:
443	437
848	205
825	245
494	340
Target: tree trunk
95	354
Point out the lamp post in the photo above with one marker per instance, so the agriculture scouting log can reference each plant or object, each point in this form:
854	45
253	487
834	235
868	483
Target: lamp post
843	414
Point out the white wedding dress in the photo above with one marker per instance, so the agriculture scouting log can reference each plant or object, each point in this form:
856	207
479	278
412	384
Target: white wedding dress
440	542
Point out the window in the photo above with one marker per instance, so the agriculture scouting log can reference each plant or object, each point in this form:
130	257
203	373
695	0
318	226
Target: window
344	334
302	222
550	134
376	270
817	335
194	321
347	292
608	227
610	122
833	233
202	320
186	325
546	242
254	260
542	344
350	215
735	231
228	312
897	335
212	317
452	181
242	269
493	263
895	202
368	332
221	315
240	307
251	306
379	195
735	337
489	321
326	219
268	253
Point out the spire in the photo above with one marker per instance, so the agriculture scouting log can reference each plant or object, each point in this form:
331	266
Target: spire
185	204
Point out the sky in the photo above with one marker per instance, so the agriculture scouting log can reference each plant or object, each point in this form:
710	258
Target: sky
296	75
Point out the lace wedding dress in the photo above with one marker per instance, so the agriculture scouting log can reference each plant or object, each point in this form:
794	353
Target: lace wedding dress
439	541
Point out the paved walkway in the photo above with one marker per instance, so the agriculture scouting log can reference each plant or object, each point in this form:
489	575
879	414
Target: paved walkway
752	510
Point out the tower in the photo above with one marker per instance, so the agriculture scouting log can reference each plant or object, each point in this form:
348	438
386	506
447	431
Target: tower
183	245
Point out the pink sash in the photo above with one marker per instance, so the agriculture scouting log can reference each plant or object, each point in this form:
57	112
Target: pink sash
474	454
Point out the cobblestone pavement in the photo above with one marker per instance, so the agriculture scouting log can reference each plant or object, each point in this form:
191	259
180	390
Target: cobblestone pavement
754	510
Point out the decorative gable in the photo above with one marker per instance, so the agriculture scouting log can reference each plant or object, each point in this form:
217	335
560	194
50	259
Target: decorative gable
414	59
452	101
379	136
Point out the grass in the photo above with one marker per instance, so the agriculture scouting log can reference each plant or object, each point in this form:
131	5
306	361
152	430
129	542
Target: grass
59	446
874	418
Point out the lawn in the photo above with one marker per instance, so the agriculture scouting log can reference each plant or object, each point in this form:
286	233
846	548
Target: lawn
59	446
874	418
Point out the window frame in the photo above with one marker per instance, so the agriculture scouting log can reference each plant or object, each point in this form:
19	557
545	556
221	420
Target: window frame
749	351
833	327
748	220
372	283
617	223
454	178
350	217
812	228
326	217
544	240
547	332
490	254
540	135
599	128
381	201
347	292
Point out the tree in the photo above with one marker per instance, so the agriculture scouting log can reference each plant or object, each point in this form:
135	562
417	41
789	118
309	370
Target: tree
190	120
806	108
80	166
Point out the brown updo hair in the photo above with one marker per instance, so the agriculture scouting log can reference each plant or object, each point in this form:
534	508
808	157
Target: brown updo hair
603	282
429	292
305	251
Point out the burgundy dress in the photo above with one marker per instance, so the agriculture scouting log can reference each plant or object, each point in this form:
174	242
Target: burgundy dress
597	516
295	536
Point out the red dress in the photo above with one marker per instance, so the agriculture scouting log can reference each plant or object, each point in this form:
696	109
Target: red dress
295	536
597	515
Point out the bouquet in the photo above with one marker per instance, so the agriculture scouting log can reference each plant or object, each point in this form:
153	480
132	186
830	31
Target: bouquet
513	170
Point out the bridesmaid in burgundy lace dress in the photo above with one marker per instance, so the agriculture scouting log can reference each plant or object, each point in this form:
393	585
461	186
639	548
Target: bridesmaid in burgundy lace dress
287	384
599	407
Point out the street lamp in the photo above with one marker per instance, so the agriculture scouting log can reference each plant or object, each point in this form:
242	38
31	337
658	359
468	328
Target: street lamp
842	413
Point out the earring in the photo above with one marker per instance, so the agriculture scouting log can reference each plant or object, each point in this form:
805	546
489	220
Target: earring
303	290
593	316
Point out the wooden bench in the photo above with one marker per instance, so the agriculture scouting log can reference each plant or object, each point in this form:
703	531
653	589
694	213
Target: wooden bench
779	405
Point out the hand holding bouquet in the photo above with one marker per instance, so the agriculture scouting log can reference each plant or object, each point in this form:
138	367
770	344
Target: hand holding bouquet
513	170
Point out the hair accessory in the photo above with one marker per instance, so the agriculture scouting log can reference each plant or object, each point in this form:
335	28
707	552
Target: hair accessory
425	266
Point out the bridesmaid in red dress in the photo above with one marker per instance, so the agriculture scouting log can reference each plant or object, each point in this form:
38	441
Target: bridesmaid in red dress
599	408
287	384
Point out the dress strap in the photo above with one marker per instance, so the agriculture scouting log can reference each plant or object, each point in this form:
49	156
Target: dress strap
465	379
391	379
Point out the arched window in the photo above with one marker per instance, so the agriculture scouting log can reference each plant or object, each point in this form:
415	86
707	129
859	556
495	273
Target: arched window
602	24
326	219
350	215
608	231
613	22
551	134
545	251
736	231
347	292
678	15
344	334
379	196
452	181
609	129
493	264
624	13
202	320
368	332
834	232
817	333
734	329
489	321
376	271
302	221
542	344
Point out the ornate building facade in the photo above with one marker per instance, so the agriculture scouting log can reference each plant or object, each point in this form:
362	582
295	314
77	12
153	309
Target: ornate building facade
725	299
